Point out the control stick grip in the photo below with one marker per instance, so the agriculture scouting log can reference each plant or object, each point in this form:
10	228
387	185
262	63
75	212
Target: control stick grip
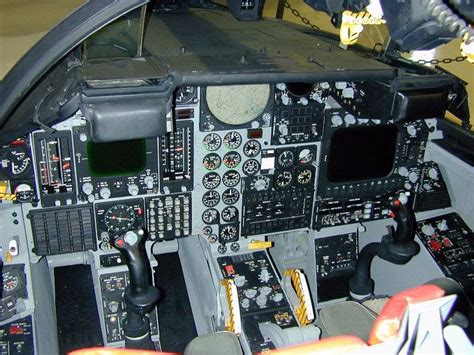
406	222
132	247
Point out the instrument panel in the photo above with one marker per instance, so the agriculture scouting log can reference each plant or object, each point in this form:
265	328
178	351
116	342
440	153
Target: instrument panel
242	160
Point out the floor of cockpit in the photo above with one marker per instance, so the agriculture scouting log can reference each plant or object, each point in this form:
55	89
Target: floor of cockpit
78	319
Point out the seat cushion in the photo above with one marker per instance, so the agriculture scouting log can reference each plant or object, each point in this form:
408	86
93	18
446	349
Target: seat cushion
346	318
219	343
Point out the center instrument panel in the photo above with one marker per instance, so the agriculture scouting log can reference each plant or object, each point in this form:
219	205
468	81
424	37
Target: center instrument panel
242	160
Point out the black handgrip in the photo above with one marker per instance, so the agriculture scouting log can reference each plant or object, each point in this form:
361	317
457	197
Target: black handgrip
132	247
406	222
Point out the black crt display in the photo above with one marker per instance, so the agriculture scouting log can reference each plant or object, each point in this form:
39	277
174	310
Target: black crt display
116	158
361	153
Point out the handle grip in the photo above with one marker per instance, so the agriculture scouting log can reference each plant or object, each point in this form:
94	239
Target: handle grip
132	247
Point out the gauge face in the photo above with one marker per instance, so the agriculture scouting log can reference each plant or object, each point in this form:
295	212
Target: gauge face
286	159
283	179
251	167
210	216
231	159
18	162
231	178
211	161
237	104
211	198
252	148
230	196
230	214
24	192
306	155
211	180
10	281
119	218
185	94
304	177
260	183
228	233
212	141
232	140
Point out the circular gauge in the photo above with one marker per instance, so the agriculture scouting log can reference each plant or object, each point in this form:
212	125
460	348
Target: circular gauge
304	177
231	159
119	218
24	192
210	216
232	140
211	161
230	196
300	89
260	183
283	178
228	233
252	148
286	159
237	104
306	155
211	198
231	178
230	214
212	141
18	162
251	167
211	180
10	281
185	94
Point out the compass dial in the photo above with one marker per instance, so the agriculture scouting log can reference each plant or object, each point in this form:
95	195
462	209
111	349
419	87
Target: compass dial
212	141
251	167
231	178
211	198
211	180
252	148
284	178
230	196
232	140
211	161
230	214
119	218
210	216
231	159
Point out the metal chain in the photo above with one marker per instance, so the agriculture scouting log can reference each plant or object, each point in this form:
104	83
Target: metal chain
444	60
297	14
306	21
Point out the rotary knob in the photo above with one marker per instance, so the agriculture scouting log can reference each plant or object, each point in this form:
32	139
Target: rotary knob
133	189
149	182
250	293
336	120
245	303
411	130
104	193
433	173
349	120
88	188
261	300
113	306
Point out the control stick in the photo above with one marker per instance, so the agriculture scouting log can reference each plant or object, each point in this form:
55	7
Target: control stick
398	247
140	296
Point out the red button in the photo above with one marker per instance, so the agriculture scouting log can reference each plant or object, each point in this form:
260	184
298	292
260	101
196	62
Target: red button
229	269
119	242
16	329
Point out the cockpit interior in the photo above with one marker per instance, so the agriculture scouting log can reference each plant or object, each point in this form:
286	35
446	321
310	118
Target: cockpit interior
184	176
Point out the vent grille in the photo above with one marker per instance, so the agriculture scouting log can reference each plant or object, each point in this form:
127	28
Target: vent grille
63	230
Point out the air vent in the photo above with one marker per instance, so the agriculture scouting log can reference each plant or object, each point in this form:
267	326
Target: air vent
63	230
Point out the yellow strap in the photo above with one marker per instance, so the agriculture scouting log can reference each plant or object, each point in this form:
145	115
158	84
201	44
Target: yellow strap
257	244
